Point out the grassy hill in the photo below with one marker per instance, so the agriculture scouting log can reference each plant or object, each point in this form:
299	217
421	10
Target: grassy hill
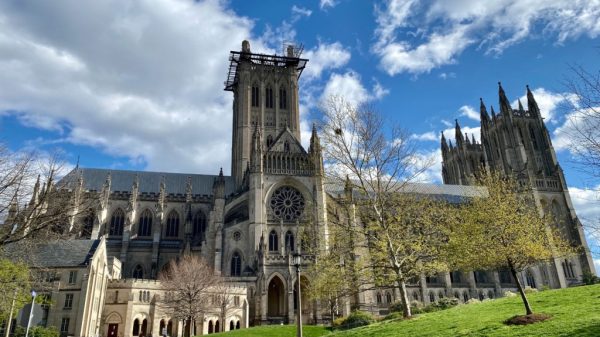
575	312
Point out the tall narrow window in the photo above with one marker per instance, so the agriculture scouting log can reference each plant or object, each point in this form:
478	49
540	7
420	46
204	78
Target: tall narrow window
68	301
289	241
136	327
172	225
533	139
269	98
138	272
530	280
145	223
255	96
378	298
236	264
199	225
88	224
282	98
273	242
72	276
116	223
286	146
64	325
269	141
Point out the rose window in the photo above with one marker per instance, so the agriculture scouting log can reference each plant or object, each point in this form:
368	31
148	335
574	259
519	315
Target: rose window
287	203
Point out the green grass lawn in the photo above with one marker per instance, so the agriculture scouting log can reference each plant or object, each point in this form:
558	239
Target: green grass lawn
575	312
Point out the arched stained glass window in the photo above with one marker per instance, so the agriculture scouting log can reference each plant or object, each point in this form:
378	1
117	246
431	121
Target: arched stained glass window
282	98
138	272
236	264
273	241
289	241
145	223
199	225
117	220
172	225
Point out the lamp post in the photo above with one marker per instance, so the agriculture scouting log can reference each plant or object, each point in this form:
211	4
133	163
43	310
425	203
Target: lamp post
297	261
33	294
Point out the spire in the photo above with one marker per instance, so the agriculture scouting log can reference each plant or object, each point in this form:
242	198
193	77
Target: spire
458	134
315	143
219	186
467	139
532	106
36	192
450	144
505	107
483	111
493	112
473	139
257	151
444	143
521	110
348	188
188	189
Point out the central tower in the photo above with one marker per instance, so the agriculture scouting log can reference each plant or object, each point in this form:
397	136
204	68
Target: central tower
265	97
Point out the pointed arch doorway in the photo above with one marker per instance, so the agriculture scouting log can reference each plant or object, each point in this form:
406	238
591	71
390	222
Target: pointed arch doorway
276	298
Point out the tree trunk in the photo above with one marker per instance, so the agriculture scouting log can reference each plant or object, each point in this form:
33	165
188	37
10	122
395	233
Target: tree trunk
520	287
404	299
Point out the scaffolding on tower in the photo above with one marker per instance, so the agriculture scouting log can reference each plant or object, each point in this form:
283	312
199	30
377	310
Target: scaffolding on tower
291	60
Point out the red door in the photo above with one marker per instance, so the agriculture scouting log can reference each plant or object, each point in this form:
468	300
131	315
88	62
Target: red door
113	330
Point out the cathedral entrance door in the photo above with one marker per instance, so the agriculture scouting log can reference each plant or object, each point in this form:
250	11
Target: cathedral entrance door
113	330
276	300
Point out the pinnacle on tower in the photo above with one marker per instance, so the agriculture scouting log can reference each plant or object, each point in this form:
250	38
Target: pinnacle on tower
473	139
444	143
493	112
505	107
521	106
483	110
532	106
458	133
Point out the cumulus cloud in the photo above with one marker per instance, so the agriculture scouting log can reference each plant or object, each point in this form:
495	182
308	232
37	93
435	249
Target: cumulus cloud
427	136
349	86
450	133
586	202
547	101
301	11
138	80
325	56
469	112
326	4
433	172
415	37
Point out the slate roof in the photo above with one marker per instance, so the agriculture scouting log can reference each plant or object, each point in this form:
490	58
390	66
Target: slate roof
149	182
55	254
450	193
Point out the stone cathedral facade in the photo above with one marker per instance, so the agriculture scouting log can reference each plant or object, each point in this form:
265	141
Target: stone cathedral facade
516	143
248	225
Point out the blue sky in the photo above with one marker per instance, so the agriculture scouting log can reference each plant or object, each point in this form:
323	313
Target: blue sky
138	85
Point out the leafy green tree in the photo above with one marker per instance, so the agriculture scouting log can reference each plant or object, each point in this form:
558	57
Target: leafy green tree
504	229
14	286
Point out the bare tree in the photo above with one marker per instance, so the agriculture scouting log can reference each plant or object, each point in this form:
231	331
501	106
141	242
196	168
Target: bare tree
584	127
33	207
224	300
378	160
187	285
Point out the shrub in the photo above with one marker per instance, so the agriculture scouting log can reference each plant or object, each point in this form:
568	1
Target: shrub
509	293
589	278
37	331
355	319
446	303
473	300
529	290
338	322
393	315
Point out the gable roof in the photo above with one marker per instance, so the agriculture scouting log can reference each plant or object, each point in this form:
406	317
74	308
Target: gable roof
284	135
149	182
55	254
449	193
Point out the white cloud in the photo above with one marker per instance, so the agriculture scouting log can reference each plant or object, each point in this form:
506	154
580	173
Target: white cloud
142	80
325	4
349	86
547	101
301	11
427	136
445	76
433	161
416	37
469	112
379	91
450	133
324	57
